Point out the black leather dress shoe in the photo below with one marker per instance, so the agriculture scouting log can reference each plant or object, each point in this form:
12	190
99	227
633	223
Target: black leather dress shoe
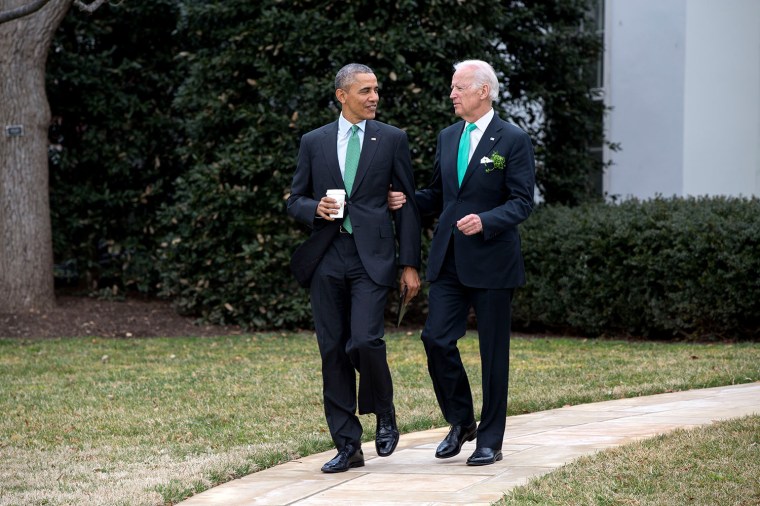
346	458
483	457
458	435
386	435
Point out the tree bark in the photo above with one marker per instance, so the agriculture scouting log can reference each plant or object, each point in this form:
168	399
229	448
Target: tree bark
26	250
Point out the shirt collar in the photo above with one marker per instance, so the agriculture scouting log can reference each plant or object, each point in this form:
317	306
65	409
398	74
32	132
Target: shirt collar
484	120
344	125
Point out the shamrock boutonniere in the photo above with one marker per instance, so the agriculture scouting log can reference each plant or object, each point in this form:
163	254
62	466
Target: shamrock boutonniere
495	162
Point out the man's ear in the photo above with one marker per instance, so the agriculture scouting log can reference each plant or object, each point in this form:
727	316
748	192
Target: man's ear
340	95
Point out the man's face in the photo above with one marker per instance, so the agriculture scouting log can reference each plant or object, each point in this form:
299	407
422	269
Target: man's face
360	99
468	100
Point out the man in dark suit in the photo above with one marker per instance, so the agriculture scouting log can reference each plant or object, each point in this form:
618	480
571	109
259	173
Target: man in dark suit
350	284
482	189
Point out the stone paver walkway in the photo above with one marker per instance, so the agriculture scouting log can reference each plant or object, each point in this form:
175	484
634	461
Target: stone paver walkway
534	444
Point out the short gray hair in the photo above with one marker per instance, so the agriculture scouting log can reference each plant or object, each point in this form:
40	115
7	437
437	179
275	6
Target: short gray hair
345	76
484	74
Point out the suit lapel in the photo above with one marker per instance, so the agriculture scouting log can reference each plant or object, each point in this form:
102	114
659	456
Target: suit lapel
488	141
330	153
369	148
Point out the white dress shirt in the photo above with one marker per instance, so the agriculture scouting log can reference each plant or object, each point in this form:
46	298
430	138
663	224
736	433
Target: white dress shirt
476	134
344	133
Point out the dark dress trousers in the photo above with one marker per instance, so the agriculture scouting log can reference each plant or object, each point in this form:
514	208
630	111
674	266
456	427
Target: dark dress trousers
478	271
350	284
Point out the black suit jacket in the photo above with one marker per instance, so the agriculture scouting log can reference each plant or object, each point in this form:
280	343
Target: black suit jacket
384	160
503	198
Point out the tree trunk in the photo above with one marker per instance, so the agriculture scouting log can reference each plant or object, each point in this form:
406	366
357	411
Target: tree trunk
26	249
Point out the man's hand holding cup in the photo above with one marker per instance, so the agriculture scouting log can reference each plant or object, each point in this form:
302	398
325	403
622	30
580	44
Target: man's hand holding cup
331	205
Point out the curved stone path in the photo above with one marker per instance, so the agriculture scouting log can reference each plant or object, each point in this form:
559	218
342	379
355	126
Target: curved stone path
534	444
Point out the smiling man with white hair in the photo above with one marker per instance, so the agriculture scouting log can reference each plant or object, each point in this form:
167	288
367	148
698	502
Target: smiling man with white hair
482	189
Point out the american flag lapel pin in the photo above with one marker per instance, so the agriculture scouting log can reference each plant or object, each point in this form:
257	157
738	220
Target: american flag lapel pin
493	139
374	138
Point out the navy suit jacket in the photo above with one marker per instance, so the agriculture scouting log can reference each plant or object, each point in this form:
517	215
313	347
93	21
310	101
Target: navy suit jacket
384	160
503	198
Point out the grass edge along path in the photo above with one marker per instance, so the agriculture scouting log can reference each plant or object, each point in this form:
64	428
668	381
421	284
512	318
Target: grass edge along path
716	464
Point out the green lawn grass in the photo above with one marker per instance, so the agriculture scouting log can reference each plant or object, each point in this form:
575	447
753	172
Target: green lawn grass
151	421
715	465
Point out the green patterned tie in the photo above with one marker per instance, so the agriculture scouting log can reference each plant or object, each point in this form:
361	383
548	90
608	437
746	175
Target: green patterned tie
463	155
352	163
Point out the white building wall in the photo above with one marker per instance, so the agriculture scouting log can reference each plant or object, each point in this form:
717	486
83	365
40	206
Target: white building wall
721	150
683	80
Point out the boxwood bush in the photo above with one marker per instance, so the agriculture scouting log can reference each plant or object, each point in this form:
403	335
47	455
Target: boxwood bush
177	125
259	75
664	268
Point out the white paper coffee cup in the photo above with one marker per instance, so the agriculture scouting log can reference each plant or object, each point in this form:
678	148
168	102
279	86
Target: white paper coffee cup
340	196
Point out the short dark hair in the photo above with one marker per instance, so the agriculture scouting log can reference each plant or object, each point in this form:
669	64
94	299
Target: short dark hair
345	76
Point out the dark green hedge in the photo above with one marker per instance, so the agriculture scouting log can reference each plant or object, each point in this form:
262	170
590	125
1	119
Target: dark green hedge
661	269
176	128
260	75
111	81
178	122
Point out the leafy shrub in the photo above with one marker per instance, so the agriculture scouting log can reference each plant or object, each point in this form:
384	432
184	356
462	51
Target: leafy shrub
177	127
111	81
260	75
662	268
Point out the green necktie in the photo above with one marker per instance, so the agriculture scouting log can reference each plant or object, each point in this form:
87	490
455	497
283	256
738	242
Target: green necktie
349	174
463	155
